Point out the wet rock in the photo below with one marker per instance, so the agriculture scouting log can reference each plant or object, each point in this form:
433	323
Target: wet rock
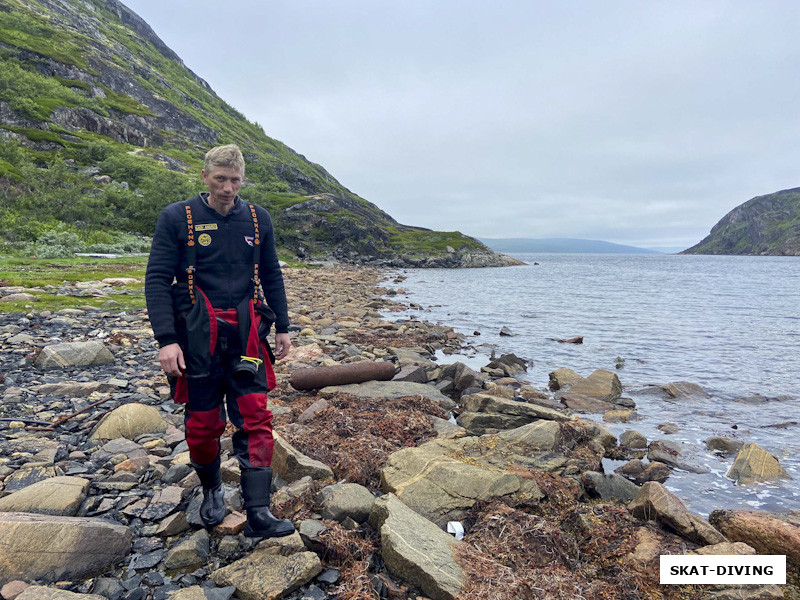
601	385
465	378
346	500
753	464
641	472
509	364
655	503
619	415
561	379
585	404
292	465
129	421
675	454
73	354
265	575
416	550
632	440
53	548
723	445
684	389
54	496
608	487
767	533
668	428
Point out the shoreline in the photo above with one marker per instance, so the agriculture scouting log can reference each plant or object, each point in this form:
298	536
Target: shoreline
143	482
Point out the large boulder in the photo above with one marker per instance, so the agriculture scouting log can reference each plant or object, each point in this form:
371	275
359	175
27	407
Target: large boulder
391	389
585	404
54	496
266	574
292	465
753	464
655	503
443	478
443	488
477	423
767	533
73	354
415	550
129	421
487	403
563	378
53	548
601	385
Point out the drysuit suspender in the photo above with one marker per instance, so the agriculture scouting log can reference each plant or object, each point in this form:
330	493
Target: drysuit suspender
191	253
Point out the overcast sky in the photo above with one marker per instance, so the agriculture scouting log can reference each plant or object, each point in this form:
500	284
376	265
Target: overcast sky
633	122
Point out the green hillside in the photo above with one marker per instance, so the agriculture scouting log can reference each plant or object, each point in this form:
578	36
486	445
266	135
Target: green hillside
102	125
765	225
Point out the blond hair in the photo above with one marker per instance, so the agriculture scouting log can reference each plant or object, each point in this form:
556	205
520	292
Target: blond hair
228	156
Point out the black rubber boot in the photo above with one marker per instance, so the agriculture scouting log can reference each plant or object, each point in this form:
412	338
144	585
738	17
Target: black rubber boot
256	487
212	510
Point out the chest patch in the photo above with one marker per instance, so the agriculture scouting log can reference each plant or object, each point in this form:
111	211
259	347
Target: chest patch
249	239
205	227
204	239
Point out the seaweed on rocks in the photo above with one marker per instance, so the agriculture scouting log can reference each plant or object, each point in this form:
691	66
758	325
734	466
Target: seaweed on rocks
354	436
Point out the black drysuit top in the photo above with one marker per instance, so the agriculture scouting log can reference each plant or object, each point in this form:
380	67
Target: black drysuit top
224	261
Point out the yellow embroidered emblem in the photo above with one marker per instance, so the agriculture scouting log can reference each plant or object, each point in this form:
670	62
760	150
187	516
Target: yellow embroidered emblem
204	239
205	227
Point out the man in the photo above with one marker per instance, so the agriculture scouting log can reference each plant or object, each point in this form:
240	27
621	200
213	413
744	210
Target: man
211	325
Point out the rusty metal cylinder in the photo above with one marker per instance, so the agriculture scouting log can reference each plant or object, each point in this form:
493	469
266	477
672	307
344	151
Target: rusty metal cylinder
313	378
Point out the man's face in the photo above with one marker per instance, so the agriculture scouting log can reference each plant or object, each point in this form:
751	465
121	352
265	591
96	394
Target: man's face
223	184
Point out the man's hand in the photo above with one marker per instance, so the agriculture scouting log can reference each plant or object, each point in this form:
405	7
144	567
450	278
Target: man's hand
171	359
282	345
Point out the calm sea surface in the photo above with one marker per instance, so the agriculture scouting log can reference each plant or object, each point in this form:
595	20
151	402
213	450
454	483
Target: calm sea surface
730	324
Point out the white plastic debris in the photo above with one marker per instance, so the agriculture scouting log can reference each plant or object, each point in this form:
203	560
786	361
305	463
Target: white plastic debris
455	528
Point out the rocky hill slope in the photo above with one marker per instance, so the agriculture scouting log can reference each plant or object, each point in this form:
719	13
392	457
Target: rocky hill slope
101	125
765	225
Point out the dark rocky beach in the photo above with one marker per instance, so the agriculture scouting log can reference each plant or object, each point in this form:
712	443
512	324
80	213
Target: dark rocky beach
99	501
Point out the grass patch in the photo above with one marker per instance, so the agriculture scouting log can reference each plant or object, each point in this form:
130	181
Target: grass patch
32	272
35	273
37	135
425	241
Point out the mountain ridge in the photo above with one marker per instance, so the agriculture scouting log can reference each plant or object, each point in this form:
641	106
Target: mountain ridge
102	124
767	225
563	245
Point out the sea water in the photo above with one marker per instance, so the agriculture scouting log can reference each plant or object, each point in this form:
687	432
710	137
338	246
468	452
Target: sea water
730	324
